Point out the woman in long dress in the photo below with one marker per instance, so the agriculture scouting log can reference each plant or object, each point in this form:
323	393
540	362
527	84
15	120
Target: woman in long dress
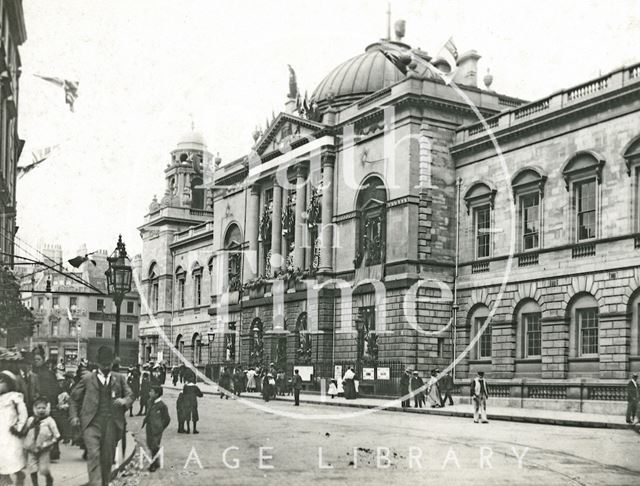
251	380
13	417
349	385
433	395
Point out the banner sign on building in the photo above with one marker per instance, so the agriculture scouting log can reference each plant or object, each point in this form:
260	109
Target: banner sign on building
368	373
306	372
383	374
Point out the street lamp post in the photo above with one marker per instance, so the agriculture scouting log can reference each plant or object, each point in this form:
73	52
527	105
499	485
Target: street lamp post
210	336
118	284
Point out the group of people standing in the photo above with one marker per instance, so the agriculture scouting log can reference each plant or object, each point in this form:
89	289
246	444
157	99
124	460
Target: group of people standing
435	393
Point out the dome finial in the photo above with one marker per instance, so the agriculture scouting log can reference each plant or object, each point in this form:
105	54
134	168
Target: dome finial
388	21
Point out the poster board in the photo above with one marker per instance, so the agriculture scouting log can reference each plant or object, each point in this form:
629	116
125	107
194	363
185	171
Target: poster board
306	372
384	374
160	356
337	372
368	373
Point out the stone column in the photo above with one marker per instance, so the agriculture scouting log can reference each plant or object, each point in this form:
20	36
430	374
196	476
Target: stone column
614	345
251	258
276	227
301	200
555	347
326	252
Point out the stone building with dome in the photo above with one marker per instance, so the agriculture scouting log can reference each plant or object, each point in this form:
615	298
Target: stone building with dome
382	224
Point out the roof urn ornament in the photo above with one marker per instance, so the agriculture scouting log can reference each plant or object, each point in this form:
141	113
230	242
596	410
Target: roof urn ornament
488	79
399	28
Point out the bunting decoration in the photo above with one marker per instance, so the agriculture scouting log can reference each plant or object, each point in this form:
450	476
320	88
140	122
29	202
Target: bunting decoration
38	157
449	53
70	88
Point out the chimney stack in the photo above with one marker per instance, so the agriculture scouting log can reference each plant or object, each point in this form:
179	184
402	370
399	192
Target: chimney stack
467	72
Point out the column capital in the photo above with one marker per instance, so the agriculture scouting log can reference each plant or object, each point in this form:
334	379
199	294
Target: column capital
302	169
328	159
254	189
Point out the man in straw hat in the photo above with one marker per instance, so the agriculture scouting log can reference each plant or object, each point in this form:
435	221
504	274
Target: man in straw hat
98	405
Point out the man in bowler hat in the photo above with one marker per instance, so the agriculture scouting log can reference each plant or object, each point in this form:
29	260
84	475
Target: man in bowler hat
98	404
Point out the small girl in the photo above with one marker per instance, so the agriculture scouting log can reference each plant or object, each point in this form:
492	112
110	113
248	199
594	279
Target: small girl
13	417
42	435
333	388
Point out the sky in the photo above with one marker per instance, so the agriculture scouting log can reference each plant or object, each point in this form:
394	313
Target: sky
146	68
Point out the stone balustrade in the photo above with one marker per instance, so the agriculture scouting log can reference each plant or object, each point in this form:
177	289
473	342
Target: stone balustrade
518	113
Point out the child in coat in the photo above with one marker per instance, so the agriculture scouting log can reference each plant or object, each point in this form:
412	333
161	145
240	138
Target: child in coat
156	420
42	435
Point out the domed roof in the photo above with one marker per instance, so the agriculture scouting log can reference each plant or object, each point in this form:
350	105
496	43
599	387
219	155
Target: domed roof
192	140
361	75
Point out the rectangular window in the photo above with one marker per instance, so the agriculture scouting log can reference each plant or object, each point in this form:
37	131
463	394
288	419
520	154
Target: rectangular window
129	334
585	199
56	302
100	305
99	329
73	302
197	289
588	331
130	307
484	343
72	329
530	218
440	347
40	302
230	347
482	226
532	335
113	330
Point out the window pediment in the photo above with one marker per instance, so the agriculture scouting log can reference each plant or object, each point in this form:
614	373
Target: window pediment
631	153
584	162
480	193
528	178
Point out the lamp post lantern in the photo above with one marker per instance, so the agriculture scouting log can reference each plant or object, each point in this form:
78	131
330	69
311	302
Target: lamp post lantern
118	284
210	336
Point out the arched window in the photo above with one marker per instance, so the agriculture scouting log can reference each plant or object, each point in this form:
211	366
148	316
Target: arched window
153	287
232	245
211	283
196	272
479	199
529	330
583	174
181	276
371	230
197	193
196	344
477	319
180	344
583	315
631	154
528	194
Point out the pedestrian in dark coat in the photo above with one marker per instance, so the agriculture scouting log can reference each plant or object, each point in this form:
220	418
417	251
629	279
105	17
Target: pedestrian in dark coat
405	382
268	385
180	413
157	419
190	395
633	397
44	383
297	386
418	394
145	386
134	383
224	386
92	396
238	381
446	387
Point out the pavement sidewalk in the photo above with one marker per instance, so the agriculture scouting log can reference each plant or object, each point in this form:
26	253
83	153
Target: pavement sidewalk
527	415
71	469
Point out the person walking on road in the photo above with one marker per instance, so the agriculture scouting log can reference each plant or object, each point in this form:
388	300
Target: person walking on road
446	385
479	395
418	394
156	420
13	418
98	405
190	394
405	383
251	380
224	387
633	397
297	386
145	386
433	393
